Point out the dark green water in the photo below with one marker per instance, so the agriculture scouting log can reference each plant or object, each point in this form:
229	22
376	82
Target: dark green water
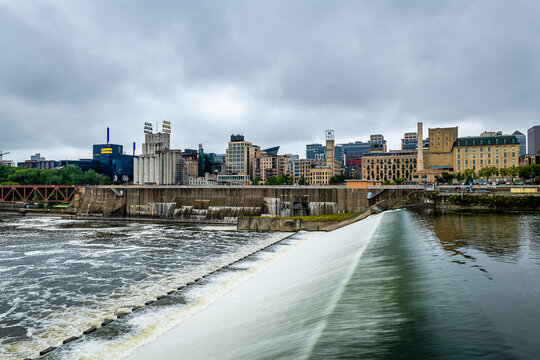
453	286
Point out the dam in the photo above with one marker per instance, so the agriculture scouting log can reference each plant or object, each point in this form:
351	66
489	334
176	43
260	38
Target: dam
226	204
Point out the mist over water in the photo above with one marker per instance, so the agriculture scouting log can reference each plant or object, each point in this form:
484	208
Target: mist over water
396	285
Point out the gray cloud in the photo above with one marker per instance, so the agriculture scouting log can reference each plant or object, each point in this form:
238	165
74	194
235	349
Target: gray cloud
279	72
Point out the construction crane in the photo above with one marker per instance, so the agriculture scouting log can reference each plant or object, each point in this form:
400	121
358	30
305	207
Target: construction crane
2	154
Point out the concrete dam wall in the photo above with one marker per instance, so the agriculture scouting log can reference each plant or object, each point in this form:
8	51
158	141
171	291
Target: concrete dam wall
226	204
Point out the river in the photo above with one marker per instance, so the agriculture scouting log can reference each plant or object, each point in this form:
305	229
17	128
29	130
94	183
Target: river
400	284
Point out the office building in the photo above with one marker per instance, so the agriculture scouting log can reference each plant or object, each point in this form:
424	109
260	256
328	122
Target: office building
410	141
240	155
522	140
533	140
269	165
315	152
318	152
300	168
378	139
115	164
38	162
477	152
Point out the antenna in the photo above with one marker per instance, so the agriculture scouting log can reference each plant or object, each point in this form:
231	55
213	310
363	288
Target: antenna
107	136
134	148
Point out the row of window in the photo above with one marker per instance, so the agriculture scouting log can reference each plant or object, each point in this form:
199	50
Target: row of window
482	155
488	162
488	148
390	161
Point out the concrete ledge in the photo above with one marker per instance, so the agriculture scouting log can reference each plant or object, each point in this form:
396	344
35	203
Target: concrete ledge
281	224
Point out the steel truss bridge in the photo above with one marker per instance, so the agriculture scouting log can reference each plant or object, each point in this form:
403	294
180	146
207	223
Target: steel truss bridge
37	193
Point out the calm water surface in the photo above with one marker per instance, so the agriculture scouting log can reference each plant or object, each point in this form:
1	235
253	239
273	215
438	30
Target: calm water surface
453	286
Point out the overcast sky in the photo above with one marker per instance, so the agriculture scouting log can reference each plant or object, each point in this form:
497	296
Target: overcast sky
279	72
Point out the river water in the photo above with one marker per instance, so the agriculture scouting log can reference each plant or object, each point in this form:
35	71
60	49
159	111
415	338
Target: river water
396	285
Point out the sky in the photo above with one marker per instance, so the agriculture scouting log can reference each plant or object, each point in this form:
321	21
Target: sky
278	72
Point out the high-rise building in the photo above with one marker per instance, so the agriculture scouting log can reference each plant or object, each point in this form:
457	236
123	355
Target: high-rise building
240	155
409	141
318	152
315	152
533	140
522	140
379	140
37	157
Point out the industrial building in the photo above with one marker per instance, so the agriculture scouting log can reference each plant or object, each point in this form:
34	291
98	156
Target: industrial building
159	164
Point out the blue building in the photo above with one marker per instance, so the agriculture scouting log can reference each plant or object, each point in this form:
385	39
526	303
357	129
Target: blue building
114	162
522	139
210	163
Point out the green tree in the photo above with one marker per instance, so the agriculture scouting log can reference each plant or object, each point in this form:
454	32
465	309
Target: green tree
271	180
302	180
400	180
255	181
290	180
281	180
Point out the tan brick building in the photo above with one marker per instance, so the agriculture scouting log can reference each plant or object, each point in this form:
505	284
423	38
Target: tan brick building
389	166
477	152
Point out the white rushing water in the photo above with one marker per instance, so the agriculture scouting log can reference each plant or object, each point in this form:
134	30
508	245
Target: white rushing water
277	309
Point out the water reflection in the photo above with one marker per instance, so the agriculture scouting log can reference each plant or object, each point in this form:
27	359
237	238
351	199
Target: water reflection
494	234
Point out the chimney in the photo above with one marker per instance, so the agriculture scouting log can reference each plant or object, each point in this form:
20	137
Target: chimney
420	148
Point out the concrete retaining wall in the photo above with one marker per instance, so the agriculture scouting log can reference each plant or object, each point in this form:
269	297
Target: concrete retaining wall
228	203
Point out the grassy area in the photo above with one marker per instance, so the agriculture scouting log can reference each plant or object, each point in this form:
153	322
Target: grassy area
329	218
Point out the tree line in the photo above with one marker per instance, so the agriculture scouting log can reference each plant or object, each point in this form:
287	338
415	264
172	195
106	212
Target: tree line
289	180
528	173
68	175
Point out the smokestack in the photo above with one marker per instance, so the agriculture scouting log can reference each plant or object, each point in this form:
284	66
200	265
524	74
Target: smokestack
107	136
134	148
420	148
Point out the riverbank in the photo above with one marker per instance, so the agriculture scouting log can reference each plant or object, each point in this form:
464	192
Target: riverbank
482	201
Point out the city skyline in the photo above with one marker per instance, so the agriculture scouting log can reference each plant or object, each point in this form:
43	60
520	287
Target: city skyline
278	73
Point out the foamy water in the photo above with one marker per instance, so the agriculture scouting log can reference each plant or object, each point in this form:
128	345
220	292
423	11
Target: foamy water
60	277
